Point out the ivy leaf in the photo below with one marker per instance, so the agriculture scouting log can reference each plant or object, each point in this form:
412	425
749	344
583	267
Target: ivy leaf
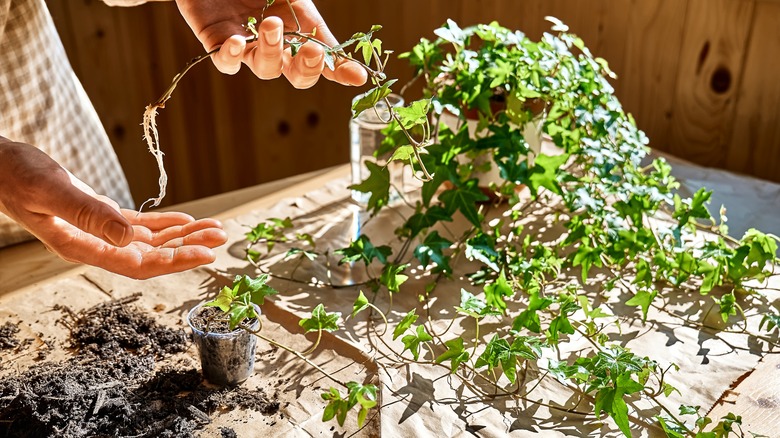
320	320
643	299
223	300
432	250
496	291
587	256
415	114
295	46
412	342
363	249
377	184
240	310
771	320
256	288
441	173
727	305
405	323
402	153
392	278
544	172
371	97
456	353
529	318
304	253
421	221
337	407
497	351
464	199
363	396
473	306
361	304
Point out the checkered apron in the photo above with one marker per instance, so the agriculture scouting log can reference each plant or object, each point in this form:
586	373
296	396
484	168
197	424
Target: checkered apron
43	104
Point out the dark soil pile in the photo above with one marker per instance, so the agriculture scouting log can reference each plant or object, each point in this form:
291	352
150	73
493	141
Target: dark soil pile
112	387
8	333
113	327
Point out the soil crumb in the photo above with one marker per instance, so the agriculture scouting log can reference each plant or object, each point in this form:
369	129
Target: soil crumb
8	333
114	386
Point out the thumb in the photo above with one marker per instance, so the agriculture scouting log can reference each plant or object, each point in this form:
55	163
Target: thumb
77	204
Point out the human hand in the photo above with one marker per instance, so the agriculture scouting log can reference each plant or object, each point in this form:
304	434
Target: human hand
221	23
81	226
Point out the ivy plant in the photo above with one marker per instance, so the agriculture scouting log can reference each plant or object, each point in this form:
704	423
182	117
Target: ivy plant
626	228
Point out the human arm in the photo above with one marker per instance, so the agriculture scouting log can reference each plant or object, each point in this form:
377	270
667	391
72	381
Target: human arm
81	226
218	24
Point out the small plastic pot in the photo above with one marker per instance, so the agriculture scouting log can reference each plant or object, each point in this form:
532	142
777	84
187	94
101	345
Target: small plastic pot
227	359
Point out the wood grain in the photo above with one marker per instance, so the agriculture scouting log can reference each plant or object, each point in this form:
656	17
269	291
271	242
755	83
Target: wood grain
756	399
754	146
649	74
710	69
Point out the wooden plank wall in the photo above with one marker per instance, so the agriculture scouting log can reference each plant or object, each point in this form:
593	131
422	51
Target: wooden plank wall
698	75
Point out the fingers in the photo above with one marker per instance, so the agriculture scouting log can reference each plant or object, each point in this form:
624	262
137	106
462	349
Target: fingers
303	70
346	73
97	216
231	53
265	59
157	221
207	232
137	260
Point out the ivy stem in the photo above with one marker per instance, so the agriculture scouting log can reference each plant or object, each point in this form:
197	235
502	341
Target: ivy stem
381	314
296	353
316	343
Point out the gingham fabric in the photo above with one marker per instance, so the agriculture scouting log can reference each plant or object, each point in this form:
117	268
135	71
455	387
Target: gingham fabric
43	104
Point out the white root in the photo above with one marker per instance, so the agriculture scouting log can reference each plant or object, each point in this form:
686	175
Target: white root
153	142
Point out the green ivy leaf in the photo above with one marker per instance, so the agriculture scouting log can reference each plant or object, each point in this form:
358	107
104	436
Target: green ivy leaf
223	300
643	299
456	353
415	114
363	249
497	291
544	173
371	97
728	305
377	184
529	318
464	199
320	320
392	277
402	153
405	323
412	342
364	396
422	221
361	304
432	250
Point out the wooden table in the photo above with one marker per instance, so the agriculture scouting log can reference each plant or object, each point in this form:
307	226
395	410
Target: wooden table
756	396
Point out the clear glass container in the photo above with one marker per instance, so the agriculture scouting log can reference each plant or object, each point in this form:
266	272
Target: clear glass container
365	137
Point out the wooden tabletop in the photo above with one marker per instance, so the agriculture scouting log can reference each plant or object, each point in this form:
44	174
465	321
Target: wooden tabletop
756	396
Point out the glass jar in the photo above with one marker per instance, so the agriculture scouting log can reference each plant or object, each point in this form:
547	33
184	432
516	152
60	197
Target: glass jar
365	137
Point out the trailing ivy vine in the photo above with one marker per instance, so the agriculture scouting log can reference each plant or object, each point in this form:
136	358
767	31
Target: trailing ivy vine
620	215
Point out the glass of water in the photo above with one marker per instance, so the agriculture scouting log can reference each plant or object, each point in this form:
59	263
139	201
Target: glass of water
365	137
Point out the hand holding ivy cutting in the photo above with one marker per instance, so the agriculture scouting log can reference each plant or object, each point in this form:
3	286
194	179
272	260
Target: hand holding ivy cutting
221	24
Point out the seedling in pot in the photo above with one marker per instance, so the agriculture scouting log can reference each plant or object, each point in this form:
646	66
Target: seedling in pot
223	326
